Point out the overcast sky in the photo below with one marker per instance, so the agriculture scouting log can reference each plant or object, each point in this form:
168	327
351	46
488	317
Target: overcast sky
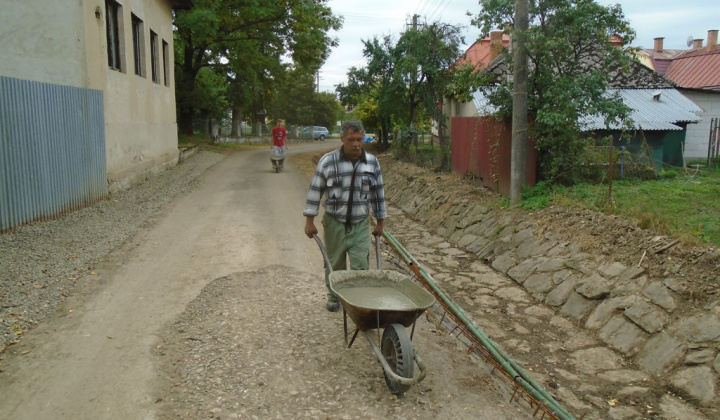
675	20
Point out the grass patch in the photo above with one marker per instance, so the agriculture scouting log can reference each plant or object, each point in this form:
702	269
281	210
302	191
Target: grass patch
682	205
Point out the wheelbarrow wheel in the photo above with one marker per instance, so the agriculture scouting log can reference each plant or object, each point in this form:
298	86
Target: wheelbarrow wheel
398	351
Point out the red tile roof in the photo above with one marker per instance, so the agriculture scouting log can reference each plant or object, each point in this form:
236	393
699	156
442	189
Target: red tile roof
697	69
479	53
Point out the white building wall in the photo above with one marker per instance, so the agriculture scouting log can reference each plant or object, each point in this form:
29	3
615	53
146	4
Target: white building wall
64	42
43	41
696	139
140	120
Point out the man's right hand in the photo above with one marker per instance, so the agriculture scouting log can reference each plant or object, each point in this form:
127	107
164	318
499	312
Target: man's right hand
310	228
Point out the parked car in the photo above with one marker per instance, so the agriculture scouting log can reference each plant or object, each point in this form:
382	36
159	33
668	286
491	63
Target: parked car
320	133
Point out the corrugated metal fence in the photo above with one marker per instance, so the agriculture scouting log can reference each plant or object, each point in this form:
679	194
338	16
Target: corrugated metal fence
52	150
481	148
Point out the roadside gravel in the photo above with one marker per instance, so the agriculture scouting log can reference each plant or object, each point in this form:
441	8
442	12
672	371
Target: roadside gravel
41	262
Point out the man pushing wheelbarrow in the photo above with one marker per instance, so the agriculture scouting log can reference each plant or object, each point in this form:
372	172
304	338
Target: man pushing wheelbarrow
373	299
351	180
279	135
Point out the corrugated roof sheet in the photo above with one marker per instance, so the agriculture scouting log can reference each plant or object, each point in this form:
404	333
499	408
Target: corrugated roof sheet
670	108
662	114
483	106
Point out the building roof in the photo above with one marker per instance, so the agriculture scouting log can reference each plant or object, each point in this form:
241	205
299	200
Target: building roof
637	76
698	69
479	53
652	109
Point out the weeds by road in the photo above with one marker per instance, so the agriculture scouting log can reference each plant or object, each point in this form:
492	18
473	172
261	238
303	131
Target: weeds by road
684	204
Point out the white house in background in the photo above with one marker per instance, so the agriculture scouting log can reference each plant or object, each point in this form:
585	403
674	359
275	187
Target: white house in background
122	48
696	73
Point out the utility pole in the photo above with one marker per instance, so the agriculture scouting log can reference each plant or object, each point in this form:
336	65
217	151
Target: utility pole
518	163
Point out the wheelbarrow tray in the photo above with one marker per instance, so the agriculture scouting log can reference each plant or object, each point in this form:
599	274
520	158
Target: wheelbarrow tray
378	298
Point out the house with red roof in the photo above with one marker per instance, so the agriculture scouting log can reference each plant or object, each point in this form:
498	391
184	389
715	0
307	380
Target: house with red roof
696	73
479	55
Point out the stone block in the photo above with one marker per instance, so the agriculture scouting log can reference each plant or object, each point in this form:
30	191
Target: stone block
699	329
595	359
522	271
622	335
659	295
476	245
612	270
538	283
522	236
514	294
577	307
562	292
698	382
674	408
675	285
661	353
629	286
594	286
504	262
528	248
607	309
645	316
466	240
700	357
554	264
631	273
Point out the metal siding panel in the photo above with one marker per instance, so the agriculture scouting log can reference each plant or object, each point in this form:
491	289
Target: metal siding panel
482	146
52	150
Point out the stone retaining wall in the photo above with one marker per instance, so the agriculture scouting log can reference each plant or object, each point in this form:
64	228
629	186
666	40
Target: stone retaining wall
622	305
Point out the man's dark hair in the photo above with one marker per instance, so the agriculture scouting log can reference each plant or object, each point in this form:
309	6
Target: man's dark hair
351	125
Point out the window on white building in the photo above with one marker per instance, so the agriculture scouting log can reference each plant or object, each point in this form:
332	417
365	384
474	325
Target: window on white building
113	29
138	45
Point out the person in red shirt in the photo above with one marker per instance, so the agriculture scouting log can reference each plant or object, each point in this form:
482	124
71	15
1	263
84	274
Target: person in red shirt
279	135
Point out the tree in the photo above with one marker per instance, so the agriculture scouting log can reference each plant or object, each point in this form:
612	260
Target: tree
247	39
373	86
569	55
296	101
404	81
425	64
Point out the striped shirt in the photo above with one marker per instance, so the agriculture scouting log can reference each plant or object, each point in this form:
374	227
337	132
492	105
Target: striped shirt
333	176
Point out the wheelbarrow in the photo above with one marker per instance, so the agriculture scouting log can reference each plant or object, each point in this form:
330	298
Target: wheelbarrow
277	158
387	300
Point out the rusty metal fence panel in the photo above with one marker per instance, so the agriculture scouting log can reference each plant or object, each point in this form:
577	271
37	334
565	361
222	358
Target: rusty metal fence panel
481	149
52	150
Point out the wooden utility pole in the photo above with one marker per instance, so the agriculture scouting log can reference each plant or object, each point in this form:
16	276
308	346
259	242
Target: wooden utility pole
518	163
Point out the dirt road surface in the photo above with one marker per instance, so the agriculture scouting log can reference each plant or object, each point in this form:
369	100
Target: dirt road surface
217	311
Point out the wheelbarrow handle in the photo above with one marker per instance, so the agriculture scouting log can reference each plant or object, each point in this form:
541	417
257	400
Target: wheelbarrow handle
327	259
324	252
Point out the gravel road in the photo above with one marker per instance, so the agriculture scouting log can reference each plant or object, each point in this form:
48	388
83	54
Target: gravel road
196	295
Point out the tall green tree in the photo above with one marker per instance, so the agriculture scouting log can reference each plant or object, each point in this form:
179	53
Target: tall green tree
249	40
295	100
571	59
425	66
373	88
404	82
